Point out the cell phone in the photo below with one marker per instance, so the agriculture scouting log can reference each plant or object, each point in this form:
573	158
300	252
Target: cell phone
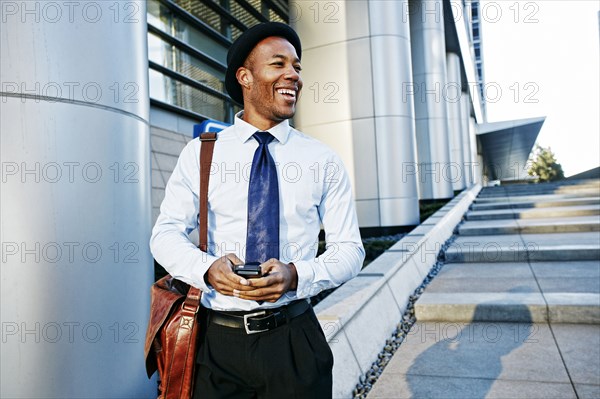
248	270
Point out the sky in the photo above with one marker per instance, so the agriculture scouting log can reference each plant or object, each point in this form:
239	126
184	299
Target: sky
544	57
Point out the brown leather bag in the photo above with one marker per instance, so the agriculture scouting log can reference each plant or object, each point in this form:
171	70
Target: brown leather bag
171	337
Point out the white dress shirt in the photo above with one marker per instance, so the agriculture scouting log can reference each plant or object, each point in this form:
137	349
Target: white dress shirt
314	189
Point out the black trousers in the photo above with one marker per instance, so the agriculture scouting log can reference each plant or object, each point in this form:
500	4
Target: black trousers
291	361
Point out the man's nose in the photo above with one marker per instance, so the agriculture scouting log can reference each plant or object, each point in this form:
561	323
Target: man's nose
292	74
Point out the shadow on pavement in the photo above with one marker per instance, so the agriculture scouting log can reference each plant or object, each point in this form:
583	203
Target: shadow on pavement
466	358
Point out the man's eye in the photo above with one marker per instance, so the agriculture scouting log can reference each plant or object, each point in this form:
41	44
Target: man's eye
277	63
298	68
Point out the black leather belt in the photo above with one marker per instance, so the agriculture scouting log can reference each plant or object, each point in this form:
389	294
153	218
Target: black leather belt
260	320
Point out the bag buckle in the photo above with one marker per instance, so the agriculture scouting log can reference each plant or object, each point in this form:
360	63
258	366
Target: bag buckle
208	136
183	307
247	324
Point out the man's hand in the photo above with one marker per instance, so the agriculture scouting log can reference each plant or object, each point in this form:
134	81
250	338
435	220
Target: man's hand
279	279
221	276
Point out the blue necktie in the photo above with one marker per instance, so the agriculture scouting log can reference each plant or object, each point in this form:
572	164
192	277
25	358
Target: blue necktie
262	240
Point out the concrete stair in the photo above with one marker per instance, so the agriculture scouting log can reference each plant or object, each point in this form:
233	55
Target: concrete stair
525	253
514	312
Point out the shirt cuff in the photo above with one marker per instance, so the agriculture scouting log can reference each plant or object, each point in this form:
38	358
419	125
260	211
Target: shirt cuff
305	277
200	270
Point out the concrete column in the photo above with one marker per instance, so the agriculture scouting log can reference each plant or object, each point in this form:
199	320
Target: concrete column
356	77
394	113
468	160
452	98
478	169
431	118
75	217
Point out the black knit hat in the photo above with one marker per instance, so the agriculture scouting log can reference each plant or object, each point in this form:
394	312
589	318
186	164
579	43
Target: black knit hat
241	48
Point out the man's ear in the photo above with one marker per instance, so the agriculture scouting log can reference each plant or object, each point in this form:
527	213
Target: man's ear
244	77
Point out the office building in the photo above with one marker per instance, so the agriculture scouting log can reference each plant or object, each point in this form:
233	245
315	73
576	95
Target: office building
99	98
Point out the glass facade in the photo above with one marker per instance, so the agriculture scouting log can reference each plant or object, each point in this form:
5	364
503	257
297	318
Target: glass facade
478	52
187	51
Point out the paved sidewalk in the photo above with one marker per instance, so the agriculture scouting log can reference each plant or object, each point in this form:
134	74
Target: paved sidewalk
515	311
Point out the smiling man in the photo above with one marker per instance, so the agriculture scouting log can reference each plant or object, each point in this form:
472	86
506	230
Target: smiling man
270	81
271	190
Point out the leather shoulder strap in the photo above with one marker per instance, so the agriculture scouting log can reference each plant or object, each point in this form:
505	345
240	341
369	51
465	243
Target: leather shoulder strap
179	377
207	147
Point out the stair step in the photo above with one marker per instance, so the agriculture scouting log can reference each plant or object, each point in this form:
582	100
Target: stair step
584	191
583	308
534	213
548	225
518	277
484	206
546	188
531	198
523	247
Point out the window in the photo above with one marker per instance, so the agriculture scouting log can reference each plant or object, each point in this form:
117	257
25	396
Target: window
188	42
171	91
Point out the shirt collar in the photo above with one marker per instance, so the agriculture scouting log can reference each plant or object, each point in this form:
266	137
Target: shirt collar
244	130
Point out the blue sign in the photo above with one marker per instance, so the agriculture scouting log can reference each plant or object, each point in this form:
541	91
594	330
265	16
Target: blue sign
209	126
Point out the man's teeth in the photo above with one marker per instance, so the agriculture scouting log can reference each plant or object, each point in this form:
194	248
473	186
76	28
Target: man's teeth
286	91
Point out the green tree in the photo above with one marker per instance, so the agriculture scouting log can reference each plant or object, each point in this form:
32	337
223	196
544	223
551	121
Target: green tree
544	166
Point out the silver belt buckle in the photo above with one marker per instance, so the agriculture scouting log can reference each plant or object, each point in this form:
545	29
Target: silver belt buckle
246	323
